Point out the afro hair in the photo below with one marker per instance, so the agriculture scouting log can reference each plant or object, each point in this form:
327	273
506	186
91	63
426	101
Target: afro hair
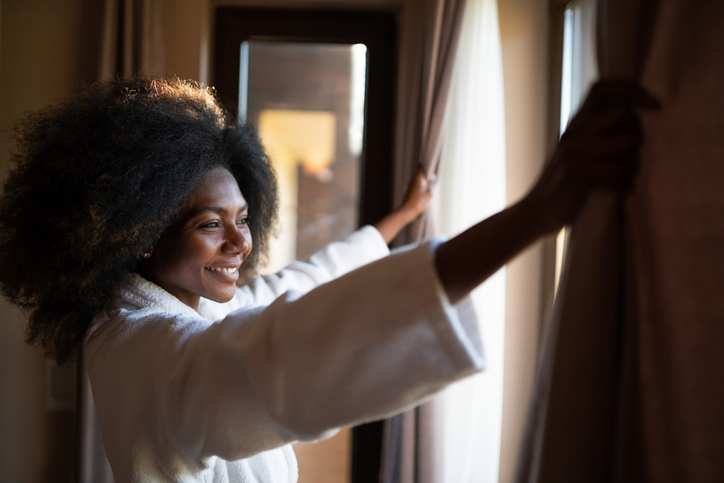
97	178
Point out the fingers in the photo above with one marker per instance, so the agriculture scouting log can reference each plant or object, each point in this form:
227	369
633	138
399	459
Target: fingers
419	182
600	149
612	91
614	134
431	181
608	175
419	193
427	183
611	119
617	119
611	105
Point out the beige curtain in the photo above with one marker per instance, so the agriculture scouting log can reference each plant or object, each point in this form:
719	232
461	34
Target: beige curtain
430	37
629	382
132	42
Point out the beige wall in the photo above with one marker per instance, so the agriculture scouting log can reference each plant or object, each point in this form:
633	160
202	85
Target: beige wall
47	48
524	36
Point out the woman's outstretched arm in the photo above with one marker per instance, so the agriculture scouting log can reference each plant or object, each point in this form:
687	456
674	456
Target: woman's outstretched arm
598	151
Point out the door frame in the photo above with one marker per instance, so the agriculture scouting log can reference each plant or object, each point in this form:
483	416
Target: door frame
378	31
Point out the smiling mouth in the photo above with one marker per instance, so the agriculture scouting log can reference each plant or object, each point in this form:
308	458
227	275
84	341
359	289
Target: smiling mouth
229	270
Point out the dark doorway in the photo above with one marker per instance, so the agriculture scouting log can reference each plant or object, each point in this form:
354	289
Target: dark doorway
377	31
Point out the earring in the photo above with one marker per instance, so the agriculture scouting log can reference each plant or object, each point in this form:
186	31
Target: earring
146	255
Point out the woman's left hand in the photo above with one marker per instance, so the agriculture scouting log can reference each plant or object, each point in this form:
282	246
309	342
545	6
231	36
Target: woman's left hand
417	200
418	195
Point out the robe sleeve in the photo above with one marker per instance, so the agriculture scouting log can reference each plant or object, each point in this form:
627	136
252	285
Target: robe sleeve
361	247
371	343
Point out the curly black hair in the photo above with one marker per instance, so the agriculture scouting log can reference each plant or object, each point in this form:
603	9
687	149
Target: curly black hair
97	178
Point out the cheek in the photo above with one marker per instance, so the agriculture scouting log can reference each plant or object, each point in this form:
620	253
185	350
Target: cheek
200	248
187	254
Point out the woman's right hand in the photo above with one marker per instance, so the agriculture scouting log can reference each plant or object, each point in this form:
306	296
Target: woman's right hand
600	149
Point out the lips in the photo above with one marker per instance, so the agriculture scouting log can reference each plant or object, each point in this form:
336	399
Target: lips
224	274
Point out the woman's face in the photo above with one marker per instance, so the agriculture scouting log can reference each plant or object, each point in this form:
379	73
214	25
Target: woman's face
199	255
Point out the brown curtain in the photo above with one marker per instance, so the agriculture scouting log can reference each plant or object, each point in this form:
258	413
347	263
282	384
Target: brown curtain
430	38
571	432
132	42
629	382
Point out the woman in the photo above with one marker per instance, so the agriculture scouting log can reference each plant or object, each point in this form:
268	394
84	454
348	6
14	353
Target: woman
133	211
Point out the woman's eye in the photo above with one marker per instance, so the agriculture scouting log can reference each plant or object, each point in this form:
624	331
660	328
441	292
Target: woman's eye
211	224
243	221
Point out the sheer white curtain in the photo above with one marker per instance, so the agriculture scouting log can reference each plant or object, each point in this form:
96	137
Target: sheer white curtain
472	187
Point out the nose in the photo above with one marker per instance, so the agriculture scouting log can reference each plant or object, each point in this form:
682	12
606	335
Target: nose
238	241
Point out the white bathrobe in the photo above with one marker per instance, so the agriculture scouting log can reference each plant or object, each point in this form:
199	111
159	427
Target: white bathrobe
183	398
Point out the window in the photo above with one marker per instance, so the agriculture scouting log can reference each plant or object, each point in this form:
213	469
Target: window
579	72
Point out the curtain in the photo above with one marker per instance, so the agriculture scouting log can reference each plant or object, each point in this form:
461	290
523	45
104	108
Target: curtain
429	42
453	125
132	42
571	429
133	38
472	188
628	383
677	231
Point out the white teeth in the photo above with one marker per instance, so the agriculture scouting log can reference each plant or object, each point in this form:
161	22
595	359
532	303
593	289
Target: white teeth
221	269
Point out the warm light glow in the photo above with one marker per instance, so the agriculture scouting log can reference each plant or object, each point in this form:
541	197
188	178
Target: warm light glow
357	98
293	138
305	137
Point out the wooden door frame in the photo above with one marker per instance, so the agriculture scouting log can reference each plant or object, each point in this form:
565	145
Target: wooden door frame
377	30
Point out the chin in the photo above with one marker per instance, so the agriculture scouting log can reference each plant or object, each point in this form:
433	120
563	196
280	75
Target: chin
223	296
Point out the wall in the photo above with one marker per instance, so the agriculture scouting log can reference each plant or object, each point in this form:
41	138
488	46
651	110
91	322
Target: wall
524	39
47	48
189	22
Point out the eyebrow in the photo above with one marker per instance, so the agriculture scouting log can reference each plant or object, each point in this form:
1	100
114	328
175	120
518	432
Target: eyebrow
214	209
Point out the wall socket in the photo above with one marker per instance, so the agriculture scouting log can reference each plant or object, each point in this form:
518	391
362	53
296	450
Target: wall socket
60	386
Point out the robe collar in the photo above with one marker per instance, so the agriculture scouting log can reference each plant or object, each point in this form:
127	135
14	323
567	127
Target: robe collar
141	293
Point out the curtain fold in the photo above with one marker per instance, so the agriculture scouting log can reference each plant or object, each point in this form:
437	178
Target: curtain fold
628	386
132	42
584	383
677	231
430	37
472	187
